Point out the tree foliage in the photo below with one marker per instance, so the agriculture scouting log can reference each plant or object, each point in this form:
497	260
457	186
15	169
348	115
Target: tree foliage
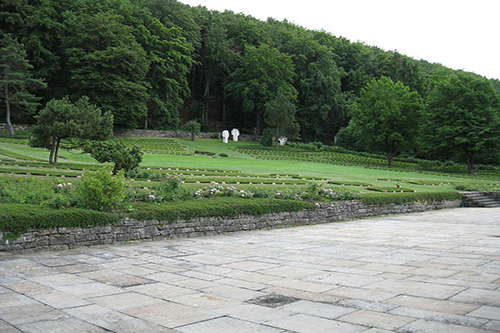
383	118
264	72
158	63
193	127
280	114
115	151
16	80
463	118
61	119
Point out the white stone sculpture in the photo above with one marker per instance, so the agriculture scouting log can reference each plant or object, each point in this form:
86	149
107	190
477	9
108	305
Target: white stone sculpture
225	136
235	133
282	140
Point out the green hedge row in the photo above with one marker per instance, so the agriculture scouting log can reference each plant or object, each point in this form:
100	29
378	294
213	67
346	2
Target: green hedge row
400	198
16	219
215	207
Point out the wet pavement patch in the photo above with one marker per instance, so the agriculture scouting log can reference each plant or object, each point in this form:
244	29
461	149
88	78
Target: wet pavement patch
273	300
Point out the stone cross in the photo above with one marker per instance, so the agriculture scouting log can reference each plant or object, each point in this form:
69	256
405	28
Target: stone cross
236	133
225	136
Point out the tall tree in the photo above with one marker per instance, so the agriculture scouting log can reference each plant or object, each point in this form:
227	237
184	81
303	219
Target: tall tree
463	118
321	104
384	117
218	61
16	80
264	71
170	61
62	119
280	114
107	64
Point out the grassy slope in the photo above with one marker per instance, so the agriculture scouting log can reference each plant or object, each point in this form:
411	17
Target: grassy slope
246	163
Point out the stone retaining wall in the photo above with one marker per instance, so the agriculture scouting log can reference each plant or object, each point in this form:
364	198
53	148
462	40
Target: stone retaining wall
132	230
176	134
16	127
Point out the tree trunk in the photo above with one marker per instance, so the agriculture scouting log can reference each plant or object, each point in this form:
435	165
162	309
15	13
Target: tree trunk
258	130
58	143
390	158
52	149
224	105
277	136
470	163
10	128
206	96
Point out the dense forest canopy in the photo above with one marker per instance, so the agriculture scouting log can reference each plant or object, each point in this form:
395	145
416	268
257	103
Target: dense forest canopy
159	63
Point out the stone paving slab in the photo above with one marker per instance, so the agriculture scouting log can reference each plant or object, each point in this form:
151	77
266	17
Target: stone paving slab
426	272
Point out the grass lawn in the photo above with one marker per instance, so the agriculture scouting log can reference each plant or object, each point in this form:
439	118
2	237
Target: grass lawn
236	161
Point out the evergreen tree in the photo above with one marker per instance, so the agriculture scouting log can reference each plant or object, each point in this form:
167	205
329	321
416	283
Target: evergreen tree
61	119
16	80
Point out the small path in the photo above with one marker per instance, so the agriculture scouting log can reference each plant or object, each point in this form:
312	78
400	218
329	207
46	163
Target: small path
426	272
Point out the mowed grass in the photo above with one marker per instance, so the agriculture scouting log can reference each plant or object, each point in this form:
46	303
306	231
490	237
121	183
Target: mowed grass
236	161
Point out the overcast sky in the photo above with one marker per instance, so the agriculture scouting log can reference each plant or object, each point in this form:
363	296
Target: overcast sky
461	34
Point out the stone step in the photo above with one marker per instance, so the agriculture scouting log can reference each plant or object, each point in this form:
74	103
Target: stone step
480	199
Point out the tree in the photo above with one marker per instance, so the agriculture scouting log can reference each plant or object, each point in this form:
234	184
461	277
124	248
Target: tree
124	158
107	64
462	118
16	80
384	118
193	127
320	103
280	114
61	119
264	71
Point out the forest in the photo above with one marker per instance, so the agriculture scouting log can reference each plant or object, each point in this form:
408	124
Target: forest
157	64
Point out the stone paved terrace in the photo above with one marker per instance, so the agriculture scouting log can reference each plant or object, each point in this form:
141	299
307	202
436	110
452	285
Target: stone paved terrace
435	271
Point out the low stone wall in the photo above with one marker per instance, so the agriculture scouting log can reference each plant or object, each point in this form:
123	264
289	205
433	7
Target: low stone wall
132	230
3	127
176	134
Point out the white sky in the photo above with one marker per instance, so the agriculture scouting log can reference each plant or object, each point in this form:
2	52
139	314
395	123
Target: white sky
460	34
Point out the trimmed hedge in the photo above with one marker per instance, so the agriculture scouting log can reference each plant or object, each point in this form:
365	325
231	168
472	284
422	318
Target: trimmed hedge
16	219
390	189
215	207
401	198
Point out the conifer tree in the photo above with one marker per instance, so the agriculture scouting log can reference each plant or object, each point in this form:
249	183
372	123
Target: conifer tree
16	80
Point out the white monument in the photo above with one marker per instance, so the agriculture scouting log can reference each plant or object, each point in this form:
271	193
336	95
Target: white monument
225	136
235	133
282	140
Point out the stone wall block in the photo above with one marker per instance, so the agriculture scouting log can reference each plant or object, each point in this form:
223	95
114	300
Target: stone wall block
129	229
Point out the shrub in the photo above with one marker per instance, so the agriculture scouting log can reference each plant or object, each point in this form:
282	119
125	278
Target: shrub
170	189
223	155
466	187
267	137
100	191
193	127
208	153
117	152
215	207
400	198
20	218
26	190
